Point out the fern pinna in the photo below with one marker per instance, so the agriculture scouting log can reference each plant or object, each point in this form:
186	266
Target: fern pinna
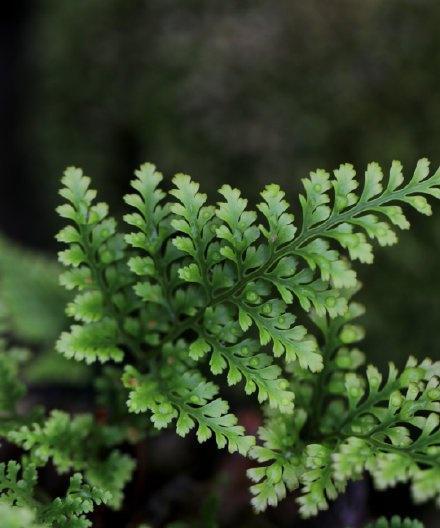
195	288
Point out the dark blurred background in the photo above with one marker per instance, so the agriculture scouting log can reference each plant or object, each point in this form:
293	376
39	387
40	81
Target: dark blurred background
241	92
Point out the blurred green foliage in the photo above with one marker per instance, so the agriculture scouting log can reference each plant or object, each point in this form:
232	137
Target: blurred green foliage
32	305
30	290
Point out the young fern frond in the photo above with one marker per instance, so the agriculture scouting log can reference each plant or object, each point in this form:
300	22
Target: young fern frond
152	220
95	256
281	452
71	511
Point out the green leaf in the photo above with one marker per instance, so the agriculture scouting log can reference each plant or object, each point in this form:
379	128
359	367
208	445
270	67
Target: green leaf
282	462
317	481
395	522
280	223
276	325
94	342
256	369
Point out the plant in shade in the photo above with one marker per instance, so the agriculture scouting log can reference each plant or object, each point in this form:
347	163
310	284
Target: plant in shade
189	296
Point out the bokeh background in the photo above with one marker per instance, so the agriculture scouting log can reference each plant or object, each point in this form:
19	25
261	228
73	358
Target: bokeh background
246	93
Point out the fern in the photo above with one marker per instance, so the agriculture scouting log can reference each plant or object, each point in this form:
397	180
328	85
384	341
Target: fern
77	444
358	422
17	485
195	291
395	522
192	267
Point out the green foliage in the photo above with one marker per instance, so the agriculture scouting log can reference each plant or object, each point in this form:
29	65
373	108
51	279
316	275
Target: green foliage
11	388
195	291
356	422
75	444
33	302
78	445
194	267
395	522
17	483
17	517
30	290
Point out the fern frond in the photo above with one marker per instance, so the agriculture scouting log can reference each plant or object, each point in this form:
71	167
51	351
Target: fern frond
192	401
77	444
244	362
389	428
17	483
95	253
282	456
395	522
193	284
196	290
319	484
70	511
18	503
